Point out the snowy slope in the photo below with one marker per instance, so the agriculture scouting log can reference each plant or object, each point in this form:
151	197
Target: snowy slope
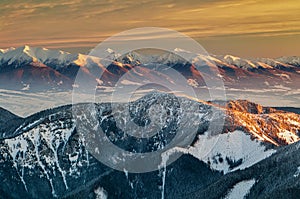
265	124
240	190
47	149
229	152
34	68
27	53
35	54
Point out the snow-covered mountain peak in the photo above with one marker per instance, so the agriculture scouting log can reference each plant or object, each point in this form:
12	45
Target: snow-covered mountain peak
248	107
26	49
82	59
46	148
239	62
28	54
6	50
231	57
133	57
47	56
18	55
293	60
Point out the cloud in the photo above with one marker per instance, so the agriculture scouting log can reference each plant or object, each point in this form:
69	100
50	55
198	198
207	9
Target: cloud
77	21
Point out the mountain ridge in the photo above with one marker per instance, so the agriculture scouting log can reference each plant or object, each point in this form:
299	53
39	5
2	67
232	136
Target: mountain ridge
47	149
284	59
58	69
239	113
6	116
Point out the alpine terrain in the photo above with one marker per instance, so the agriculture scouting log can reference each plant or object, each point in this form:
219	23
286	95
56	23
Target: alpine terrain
254	155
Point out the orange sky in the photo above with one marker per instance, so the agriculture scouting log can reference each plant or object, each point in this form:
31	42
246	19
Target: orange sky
247	28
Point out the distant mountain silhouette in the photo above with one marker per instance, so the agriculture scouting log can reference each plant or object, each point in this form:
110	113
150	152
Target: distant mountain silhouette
31	68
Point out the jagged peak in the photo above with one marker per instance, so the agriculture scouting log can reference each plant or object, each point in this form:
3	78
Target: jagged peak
28	53
289	60
156	93
248	106
39	54
33	49
7	49
234	58
26	48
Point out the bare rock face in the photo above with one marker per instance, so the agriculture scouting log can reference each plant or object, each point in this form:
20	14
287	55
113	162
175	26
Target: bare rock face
264	123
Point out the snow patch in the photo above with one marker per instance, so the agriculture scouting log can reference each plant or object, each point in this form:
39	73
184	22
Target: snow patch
288	136
297	173
28	151
240	190
100	193
224	152
230	151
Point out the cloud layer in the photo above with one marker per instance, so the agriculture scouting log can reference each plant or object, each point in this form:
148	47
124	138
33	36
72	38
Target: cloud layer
223	26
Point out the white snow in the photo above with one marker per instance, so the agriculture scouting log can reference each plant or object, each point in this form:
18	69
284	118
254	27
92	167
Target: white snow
214	150
168	58
234	145
234	58
46	55
240	190
294	122
17	149
26	87
126	173
163	167
290	60
6	50
288	136
35	54
297	173
100	193
25	150
81	60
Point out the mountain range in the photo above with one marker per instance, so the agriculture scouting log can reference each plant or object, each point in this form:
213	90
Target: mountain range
251	150
256	152
34	68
